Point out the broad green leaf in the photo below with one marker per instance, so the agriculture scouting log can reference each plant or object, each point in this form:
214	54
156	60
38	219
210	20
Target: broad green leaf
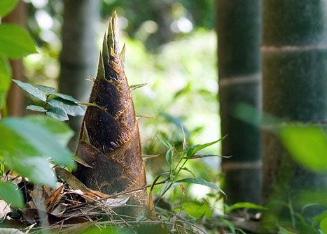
46	89
201	182
57	113
36	108
246	205
66	97
37	169
6	6
192	150
323	225
41	139
307	145
5	75
60	129
71	108
197	209
15	42
10	194
32	90
22	157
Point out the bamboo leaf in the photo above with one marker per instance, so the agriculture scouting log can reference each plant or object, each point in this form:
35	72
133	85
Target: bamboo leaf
36	108
15	42
169	156
32	90
188	170
7	6
246	205
71	108
201	182
10	194
57	113
192	150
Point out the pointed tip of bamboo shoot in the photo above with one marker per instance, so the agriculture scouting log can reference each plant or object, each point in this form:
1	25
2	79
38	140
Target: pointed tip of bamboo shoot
113	35
122	54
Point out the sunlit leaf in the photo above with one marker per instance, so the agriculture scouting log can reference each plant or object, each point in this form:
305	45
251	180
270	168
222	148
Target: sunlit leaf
32	90
199	181
7	6
71	108
15	42
197	209
10	194
323	225
307	145
36	108
41	139
244	205
192	150
5	75
57	113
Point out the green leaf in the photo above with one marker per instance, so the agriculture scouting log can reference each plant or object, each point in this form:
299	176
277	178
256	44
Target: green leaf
37	169
201	182
23	158
192	150
246	205
71	108
6	6
46	89
57	113
197	209
41	139
5	75
164	142
60	129
32	90
66	97
307	145
15	42
169	155
36	108
188	170
10	194
323	225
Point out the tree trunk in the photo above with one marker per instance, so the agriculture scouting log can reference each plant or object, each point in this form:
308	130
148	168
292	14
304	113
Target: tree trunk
15	97
294	89
109	140
239	33
79	53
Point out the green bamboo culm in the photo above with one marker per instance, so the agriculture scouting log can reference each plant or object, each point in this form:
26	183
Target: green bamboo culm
239	62
294	56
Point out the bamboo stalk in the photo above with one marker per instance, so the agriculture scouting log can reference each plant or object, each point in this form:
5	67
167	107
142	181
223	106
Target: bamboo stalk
239	36
294	55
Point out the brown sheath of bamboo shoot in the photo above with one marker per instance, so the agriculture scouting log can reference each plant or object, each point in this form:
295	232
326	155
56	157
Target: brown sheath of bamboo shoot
109	139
